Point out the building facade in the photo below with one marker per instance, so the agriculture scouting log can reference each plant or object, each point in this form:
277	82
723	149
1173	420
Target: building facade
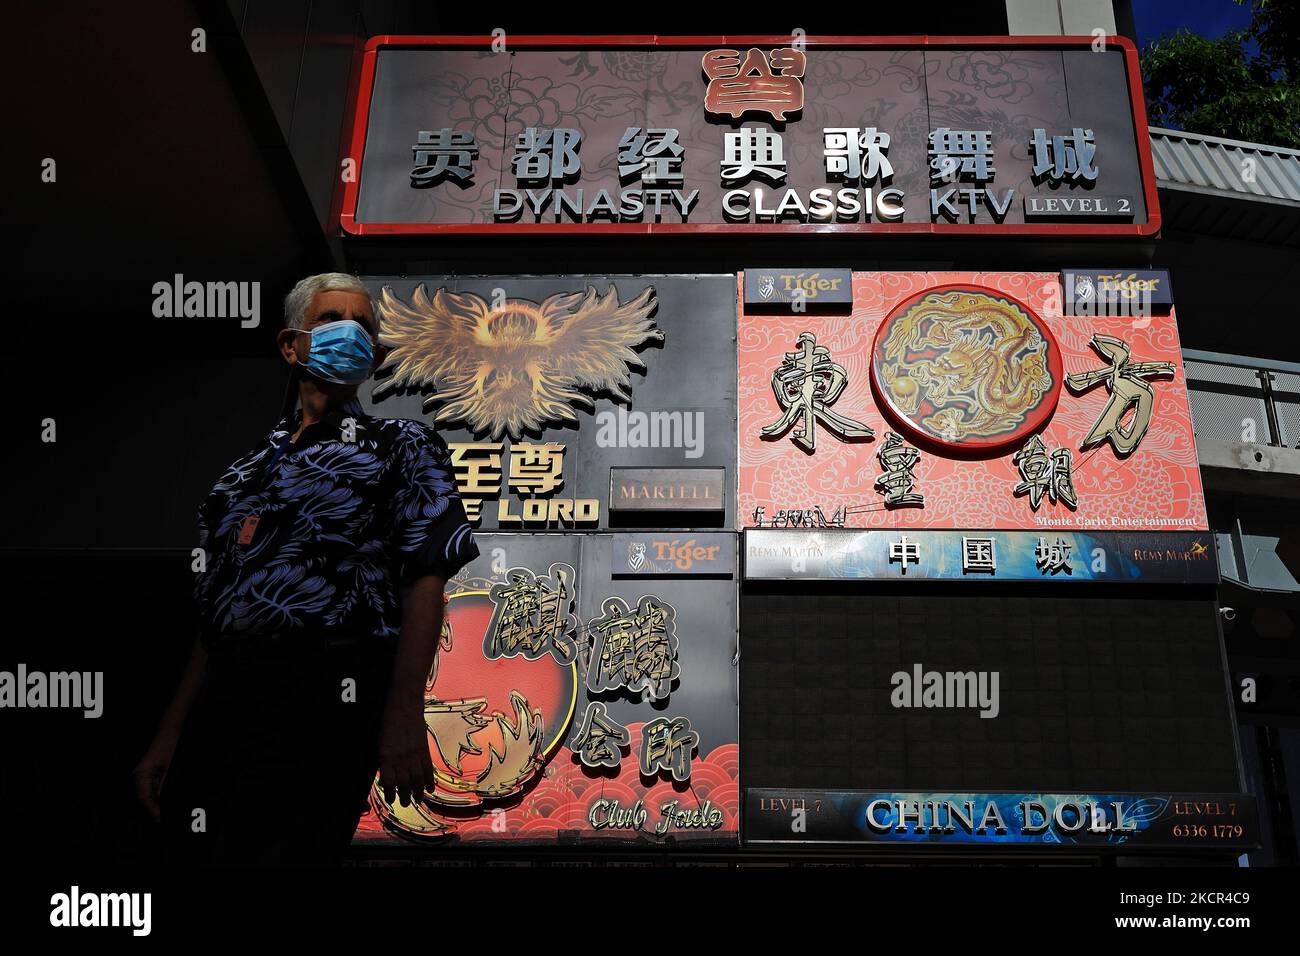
881	445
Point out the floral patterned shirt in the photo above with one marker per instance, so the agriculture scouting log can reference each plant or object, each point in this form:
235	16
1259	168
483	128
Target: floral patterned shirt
340	524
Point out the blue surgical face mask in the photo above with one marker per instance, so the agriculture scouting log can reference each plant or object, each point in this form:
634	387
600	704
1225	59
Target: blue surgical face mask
340	352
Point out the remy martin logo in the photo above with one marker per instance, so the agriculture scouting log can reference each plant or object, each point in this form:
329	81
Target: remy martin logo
516	366
1196	551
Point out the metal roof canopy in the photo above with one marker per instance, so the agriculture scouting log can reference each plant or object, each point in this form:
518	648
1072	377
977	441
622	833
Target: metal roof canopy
1206	183
1219	166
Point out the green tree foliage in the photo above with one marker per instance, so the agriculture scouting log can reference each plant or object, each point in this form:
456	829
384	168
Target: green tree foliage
1219	88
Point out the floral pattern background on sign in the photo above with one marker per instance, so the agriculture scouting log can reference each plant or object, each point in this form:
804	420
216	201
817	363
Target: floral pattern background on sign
1157	487
563	797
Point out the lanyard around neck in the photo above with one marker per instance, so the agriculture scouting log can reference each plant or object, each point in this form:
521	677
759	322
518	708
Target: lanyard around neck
275	458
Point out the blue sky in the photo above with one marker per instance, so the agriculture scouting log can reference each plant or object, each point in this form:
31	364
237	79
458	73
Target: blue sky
1209	18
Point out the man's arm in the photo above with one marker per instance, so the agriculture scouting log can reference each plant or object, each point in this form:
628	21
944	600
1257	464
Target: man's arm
152	769
404	762
433	541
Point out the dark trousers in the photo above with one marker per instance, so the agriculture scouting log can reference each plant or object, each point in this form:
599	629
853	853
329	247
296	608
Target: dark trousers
275	761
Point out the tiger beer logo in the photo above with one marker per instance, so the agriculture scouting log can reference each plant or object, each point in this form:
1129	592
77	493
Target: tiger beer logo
684	555
1126	292
809	285
797	289
646	553
1129	286
636	555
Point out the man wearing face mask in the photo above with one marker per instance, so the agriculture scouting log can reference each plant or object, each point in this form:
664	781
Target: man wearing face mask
326	548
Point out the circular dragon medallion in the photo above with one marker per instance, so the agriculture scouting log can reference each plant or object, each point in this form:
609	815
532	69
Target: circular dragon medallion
967	368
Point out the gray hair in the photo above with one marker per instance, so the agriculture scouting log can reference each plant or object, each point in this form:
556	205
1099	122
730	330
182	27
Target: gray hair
299	299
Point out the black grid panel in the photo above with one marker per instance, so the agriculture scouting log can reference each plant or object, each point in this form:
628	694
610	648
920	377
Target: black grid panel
1096	693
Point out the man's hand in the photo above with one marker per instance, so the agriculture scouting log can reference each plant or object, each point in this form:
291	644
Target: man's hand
150	772
404	762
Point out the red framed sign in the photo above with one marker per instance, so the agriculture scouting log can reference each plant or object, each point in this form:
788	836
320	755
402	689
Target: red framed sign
729	135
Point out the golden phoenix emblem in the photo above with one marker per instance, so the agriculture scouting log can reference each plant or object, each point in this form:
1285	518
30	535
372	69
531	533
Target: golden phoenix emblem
515	366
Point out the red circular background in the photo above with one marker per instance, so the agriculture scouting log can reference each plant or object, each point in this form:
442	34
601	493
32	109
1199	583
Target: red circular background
911	426
463	672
